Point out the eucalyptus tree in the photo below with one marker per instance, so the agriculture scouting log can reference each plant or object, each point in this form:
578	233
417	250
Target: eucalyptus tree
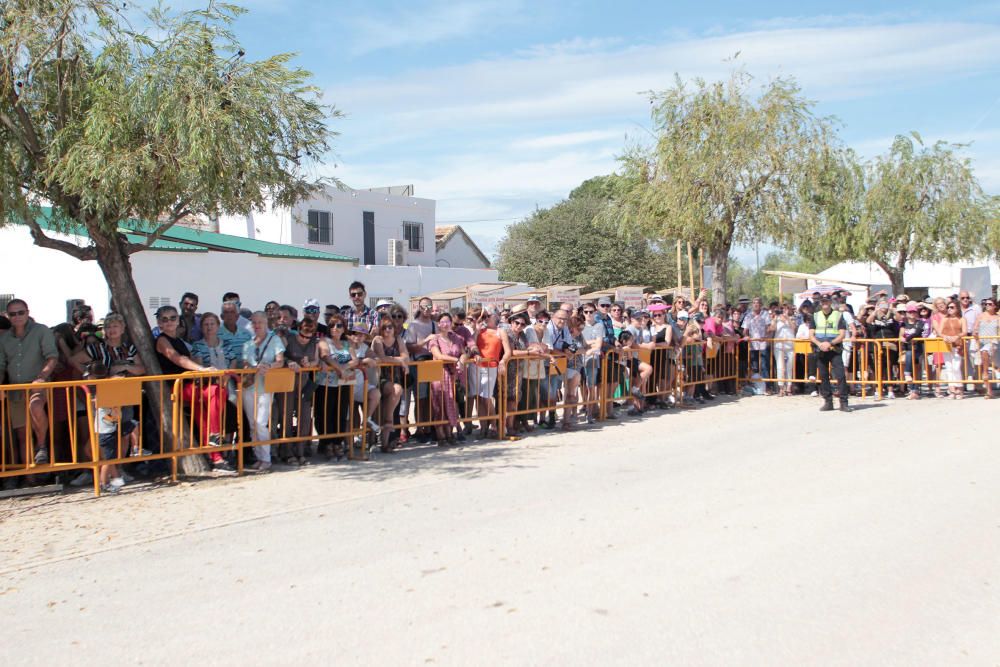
117	117
729	165
112	124
915	202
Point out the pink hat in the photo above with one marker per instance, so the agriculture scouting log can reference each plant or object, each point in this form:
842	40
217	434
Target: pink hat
656	307
912	308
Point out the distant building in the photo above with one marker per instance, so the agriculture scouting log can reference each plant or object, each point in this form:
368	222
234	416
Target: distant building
456	249
357	223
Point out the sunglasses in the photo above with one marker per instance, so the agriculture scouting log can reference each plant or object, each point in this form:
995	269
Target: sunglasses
357	295
604	305
337	325
169	318
399	317
16	313
303	334
588	312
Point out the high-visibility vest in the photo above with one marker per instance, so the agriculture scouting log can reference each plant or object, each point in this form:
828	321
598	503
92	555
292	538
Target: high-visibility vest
827	326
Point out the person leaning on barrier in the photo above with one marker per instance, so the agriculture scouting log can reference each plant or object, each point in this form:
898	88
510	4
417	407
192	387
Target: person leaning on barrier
29	355
302	356
262	353
390	351
335	402
827	332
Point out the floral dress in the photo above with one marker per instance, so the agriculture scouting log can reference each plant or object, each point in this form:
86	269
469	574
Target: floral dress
443	404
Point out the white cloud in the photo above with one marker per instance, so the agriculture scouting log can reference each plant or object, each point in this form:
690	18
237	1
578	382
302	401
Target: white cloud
493	138
834	63
567	139
426	24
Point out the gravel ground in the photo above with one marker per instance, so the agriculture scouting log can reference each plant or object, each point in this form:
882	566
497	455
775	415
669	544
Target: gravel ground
757	531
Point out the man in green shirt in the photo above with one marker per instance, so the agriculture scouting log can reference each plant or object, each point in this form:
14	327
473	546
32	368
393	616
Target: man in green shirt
28	355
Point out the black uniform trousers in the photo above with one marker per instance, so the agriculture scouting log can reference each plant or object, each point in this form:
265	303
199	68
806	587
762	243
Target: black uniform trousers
828	363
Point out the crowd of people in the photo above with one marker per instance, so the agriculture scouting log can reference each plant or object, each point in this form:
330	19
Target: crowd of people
356	368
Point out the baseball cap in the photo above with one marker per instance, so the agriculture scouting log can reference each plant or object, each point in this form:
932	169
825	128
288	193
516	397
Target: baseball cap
683	315
533	297
912	308
383	303
604	301
310	303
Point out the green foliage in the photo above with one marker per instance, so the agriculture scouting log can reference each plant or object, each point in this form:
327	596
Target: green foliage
108	121
915	202
728	165
570	243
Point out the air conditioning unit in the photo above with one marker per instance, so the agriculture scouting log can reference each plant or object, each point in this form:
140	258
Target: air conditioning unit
397	252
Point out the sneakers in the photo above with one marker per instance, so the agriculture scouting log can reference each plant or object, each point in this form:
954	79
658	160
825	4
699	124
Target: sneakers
84	478
116	482
815	393
222	466
42	456
891	395
141	452
108	488
375	428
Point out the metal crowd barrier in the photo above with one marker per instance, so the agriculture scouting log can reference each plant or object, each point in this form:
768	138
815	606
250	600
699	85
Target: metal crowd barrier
877	365
303	412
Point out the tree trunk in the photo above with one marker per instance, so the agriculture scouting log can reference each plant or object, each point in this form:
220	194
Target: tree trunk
720	269
895	273
117	269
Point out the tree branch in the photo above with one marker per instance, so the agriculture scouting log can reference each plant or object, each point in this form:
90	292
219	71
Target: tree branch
178	213
83	254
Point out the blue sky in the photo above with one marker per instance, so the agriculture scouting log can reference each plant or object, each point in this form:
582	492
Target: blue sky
495	107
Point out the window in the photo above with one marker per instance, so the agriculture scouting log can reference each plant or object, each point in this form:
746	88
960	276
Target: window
4	300
319	227
413	232
158	301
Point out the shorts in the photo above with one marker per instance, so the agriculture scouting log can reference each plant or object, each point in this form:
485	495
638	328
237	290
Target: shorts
591	374
108	442
571	374
487	381
16	408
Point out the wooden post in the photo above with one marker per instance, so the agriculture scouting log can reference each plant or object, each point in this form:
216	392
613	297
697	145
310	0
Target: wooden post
701	270
680	271
691	270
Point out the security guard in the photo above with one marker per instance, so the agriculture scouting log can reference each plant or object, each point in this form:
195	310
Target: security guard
827	330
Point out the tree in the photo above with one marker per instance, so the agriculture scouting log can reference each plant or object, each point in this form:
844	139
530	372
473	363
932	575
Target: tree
569	243
915	202
745	280
109	124
726	167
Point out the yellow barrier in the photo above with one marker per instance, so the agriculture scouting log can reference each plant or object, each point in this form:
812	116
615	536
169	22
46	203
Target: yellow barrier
83	425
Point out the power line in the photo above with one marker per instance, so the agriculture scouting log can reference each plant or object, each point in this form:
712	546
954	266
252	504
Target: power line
468	222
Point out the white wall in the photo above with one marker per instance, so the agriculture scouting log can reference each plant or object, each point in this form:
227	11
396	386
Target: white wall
347	209
47	278
457	252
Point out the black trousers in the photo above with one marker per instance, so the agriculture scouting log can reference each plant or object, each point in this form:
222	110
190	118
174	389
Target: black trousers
828	363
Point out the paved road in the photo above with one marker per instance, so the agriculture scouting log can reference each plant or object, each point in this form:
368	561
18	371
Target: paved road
750	533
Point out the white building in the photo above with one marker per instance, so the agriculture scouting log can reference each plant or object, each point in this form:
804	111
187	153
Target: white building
921	278
210	264
365	224
455	248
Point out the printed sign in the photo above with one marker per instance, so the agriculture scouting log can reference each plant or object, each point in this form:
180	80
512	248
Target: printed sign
571	296
485	299
630	296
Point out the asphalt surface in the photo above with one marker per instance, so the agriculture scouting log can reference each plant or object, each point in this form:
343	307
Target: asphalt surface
747	533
